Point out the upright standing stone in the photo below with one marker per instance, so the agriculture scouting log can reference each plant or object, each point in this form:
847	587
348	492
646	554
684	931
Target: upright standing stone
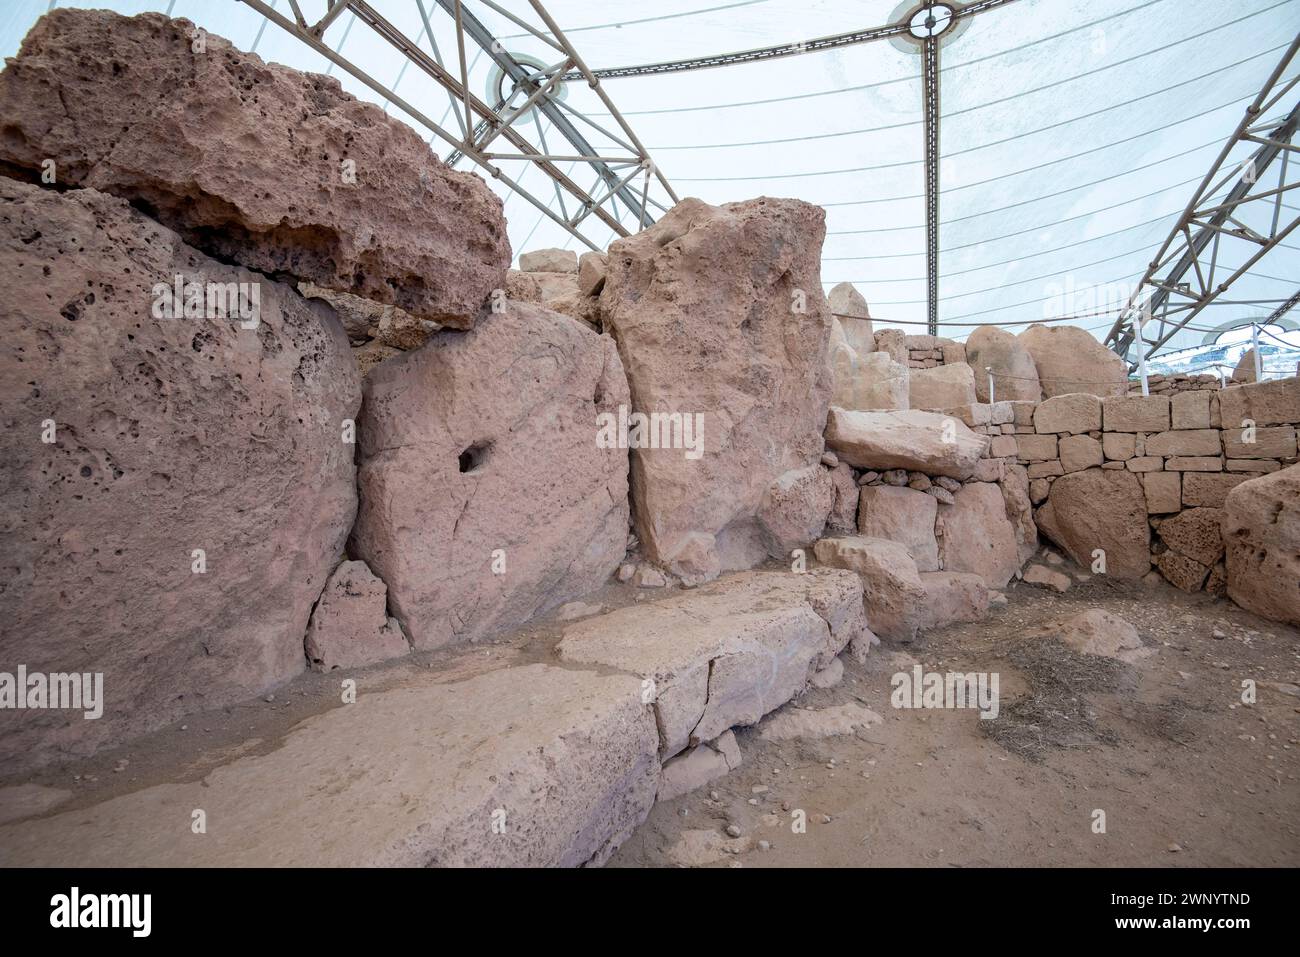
492	485
1261	531
1100	514
1069	359
720	319
1015	377
850	309
175	490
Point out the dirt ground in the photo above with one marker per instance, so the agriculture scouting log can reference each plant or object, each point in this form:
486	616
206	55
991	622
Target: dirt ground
1186	774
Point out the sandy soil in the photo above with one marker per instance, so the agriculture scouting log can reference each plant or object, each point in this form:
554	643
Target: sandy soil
1187	775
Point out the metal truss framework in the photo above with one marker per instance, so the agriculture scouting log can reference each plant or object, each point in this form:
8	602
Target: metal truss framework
923	24
1180	281
532	93
899	28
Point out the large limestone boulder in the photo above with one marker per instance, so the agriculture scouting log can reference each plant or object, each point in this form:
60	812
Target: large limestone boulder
894	593
902	515
1100	509
175	490
976	537
727	653
1015	377
1274	402
943	387
252	162
1070	359
921	441
866	381
952	597
795	509
850	310
1245	368
1261	531
486	495
549	260
719	316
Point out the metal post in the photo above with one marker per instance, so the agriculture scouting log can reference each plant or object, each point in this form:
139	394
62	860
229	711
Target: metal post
930	109
1142	352
989	370
1254	346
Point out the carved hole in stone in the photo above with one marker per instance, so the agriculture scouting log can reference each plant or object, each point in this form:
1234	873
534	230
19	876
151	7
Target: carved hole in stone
474	456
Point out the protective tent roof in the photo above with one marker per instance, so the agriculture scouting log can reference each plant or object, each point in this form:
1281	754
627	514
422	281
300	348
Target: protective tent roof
1072	135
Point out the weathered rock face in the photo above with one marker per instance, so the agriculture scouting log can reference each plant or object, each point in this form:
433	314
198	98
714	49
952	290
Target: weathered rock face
252	162
1074	412
1069	359
556	291
592	267
1015	377
976	537
699	766
850	311
866	381
727	653
795	509
1261	530
1195	532
367	321
943	387
1245	370
1100	509
901	515
417	772
1097	632
920	441
719	316
350	627
549	260
844	507
1020	510
165	436
485	497
952	597
1275	402
894	593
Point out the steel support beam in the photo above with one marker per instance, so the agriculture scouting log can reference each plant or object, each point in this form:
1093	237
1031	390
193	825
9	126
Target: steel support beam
1283	309
481	123
898	29
1180	280
930	107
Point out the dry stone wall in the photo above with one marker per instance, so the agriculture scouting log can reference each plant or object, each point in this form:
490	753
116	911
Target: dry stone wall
1145	479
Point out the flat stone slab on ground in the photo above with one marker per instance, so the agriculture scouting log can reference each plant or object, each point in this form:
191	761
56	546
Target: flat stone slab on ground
409	777
727	653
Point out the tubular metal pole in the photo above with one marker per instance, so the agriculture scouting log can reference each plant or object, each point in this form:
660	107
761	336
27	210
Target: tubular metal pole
1142	353
1254	347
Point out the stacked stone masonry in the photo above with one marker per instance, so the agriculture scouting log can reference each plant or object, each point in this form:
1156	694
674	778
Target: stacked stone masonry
1173	457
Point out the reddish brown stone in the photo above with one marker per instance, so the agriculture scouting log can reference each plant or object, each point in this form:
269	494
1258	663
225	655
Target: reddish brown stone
252	162
169	435
719	314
